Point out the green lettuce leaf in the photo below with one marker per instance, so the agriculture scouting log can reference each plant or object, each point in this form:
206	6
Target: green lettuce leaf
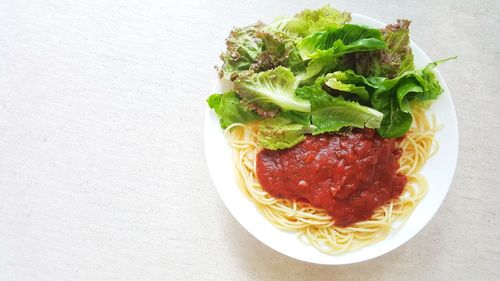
396	122
243	49
294	61
277	50
393	97
325	50
394	59
330	114
428	78
284	131
338	80
323	62
349	77
347	39
229	109
303	118
351	85
310	21
271	90
251	48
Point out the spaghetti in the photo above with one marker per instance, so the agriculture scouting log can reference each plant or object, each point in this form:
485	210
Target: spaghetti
314	226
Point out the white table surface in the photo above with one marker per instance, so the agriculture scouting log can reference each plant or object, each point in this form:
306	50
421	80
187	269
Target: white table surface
102	171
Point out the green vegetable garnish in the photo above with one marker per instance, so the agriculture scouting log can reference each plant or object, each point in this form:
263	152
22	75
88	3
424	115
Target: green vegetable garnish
325	49
271	90
309	21
394	59
330	114
392	98
284	131
230	110
315	73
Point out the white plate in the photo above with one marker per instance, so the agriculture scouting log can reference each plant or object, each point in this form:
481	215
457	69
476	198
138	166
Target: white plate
438	171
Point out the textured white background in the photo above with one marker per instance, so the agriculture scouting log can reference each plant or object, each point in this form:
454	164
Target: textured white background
102	173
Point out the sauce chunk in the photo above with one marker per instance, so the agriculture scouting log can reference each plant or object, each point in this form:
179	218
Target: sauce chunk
347	175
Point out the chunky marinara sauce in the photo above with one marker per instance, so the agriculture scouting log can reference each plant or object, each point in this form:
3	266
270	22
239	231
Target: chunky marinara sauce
347	175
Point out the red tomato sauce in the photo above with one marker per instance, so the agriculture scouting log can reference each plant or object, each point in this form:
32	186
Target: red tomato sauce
347	175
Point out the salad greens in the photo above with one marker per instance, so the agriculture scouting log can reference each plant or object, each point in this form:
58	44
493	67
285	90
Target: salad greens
325	49
285	130
243	48
330	114
350	85
230	110
346	39
310	21
393	96
316	73
394	59
271	90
